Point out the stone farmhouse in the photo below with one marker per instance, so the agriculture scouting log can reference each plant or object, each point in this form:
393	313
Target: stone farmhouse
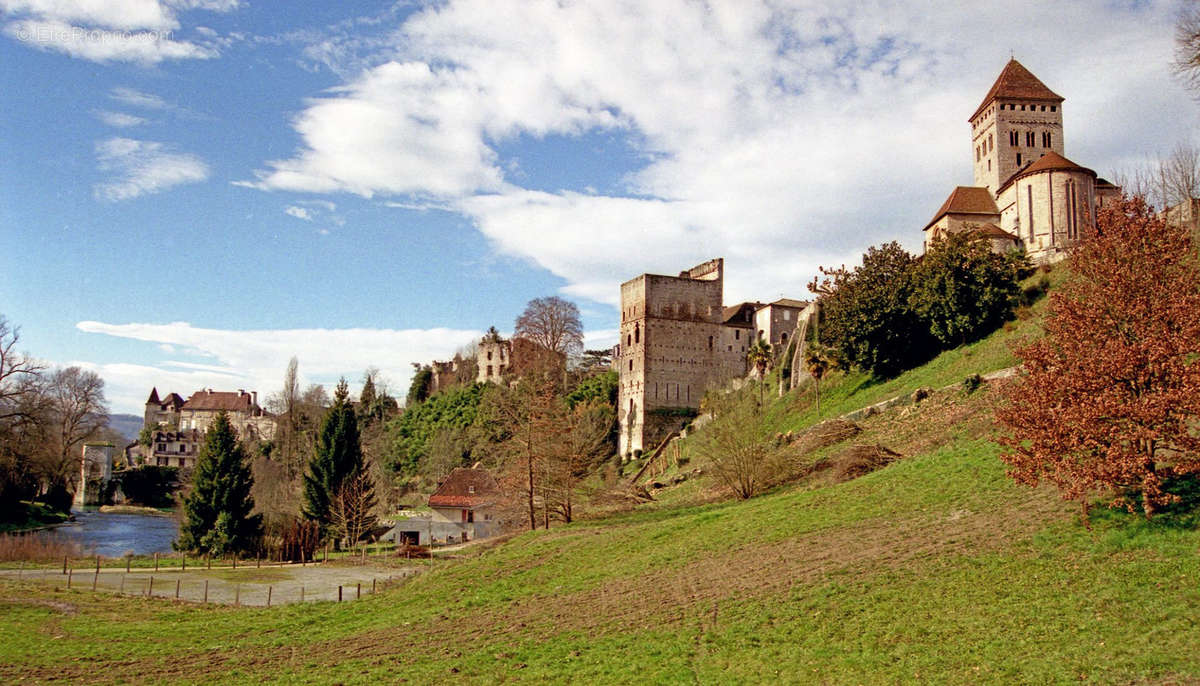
465	506
179	425
1026	193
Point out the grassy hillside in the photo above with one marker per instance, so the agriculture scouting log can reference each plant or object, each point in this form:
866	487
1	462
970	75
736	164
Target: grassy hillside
934	569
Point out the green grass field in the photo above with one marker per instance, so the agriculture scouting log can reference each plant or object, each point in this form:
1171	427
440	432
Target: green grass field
935	569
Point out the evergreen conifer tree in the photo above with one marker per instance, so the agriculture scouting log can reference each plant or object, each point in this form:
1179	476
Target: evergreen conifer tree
217	517
338	456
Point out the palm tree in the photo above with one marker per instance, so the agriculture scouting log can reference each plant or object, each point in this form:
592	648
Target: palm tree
816	359
759	356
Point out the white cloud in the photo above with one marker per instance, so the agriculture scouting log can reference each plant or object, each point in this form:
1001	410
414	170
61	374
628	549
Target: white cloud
143	167
255	360
138	31
778	135
298	213
136	98
119	120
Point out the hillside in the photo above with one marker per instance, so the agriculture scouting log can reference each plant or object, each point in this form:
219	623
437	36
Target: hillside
128	425
936	568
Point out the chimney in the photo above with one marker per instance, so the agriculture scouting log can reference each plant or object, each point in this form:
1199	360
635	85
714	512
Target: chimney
241	392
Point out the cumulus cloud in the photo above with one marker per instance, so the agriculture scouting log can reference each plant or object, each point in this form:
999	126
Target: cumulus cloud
781	135
256	359
138	31
143	167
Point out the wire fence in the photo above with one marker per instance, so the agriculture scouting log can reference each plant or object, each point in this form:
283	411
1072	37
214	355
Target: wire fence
246	585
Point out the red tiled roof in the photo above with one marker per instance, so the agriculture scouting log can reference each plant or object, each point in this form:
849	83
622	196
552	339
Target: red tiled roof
967	200
219	400
1017	82
465	488
992	231
1050	161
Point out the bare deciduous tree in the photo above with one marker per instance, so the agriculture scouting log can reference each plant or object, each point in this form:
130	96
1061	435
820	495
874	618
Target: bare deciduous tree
17	371
352	510
77	412
552	323
735	444
1187	46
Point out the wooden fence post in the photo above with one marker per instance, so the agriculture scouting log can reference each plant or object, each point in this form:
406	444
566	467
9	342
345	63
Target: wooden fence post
237	595
70	573
97	564
269	589
122	589
372	585
302	594
358	593
339	593
95	578
64	564
206	591
127	559
156	562
150	588
177	582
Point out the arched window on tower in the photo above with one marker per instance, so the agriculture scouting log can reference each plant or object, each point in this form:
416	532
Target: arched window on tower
637	334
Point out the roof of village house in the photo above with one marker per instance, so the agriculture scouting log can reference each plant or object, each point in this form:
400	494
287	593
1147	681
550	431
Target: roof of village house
990	230
788	302
1017	82
967	200
732	314
465	488
229	401
1105	182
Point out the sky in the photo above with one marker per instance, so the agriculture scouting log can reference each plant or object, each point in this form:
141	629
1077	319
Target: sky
194	191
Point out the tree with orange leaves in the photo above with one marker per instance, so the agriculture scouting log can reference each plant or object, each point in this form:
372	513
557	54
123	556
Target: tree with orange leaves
1108	401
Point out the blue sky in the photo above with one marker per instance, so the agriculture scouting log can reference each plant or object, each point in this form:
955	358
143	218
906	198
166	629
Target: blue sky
193	191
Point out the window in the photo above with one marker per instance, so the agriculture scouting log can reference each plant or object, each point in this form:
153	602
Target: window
977	155
489	371
637	334
737	334
631	365
1053	108
162	446
991	144
1029	139
489	355
1029	206
470	489
628	339
787	316
1014	138
1018	159
710	342
1046	139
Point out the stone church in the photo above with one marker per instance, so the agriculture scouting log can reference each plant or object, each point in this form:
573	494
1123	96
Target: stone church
1026	193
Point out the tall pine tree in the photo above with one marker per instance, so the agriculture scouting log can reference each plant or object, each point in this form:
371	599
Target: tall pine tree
338	456
217	517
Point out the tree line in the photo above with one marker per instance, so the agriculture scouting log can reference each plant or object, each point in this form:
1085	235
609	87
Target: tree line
46	415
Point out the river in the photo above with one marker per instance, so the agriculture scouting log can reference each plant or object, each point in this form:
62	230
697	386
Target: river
114	535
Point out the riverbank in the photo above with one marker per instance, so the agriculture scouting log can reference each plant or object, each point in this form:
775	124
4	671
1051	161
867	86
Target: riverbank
37	517
136	510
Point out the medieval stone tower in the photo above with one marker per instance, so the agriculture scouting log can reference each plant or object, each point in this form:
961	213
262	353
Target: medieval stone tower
1019	120
677	340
